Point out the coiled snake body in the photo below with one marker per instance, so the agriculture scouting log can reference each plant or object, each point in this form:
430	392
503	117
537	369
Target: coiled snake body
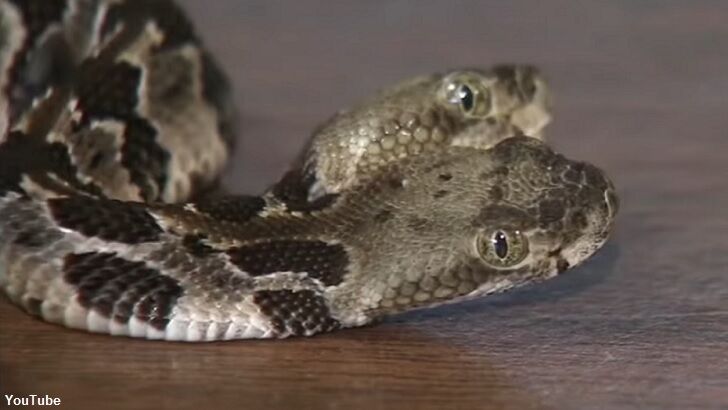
114	117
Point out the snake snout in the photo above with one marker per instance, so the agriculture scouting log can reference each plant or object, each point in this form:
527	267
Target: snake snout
525	80
532	111
598	190
591	219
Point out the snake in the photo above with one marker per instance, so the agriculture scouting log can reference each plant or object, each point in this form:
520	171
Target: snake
117	123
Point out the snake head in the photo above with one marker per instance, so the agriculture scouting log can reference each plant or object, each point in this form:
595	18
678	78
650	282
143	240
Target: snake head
471	222
463	107
514	93
544	213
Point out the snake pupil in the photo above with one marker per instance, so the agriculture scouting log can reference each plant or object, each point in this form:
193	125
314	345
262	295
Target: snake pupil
500	244
466	97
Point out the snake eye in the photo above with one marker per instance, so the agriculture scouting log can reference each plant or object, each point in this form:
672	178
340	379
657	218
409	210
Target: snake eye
471	97
503	248
465	95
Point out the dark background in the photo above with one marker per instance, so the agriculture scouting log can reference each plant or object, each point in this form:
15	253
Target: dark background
641	89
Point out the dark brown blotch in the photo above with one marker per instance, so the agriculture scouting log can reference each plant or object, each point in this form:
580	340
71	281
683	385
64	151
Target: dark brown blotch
299	313
144	158
196	246
550	210
112	220
40	14
293	190
504	215
22	154
40	17
562	265
501	171
168	17
572	176
515	149
119	288
109	90
417	224
594	177
578	219
237	208
323	261
438	164
383	216
440	193
496	193
34	306
395	182
32	237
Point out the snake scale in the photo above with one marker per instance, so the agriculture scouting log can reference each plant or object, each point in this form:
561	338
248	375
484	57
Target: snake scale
115	120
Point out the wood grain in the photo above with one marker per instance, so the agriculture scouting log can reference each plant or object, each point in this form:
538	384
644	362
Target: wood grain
640	90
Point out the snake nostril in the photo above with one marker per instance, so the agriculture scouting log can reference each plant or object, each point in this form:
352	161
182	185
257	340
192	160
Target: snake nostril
562	265
527	82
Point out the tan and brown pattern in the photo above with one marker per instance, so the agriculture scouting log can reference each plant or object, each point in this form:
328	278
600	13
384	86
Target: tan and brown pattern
434	190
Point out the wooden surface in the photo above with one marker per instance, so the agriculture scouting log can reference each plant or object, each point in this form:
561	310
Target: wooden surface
641	90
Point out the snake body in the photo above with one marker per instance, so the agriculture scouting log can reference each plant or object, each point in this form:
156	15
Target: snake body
115	119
